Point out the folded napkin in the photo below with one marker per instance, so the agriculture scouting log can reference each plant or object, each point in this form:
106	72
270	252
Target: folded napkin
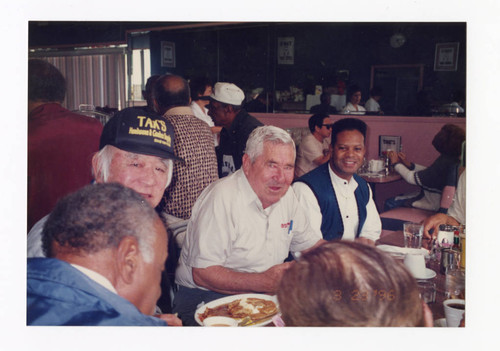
401	251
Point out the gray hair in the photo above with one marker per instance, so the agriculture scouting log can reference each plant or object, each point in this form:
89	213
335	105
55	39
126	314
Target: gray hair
105	156
260	135
98	217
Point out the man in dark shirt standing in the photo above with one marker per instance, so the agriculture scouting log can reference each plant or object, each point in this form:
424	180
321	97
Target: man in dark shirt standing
225	108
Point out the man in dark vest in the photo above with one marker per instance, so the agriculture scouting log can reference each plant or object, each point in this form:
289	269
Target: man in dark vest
339	201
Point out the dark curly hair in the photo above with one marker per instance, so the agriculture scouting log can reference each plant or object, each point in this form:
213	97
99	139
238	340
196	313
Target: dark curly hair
198	86
316	121
348	124
351	90
448	141
45	82
99	216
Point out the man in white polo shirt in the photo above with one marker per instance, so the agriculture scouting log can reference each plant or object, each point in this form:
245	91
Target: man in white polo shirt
243	227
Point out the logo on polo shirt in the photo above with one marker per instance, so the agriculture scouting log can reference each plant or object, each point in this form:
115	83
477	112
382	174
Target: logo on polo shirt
288	225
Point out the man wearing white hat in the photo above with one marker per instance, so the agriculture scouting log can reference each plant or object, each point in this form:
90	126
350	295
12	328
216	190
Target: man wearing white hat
225	108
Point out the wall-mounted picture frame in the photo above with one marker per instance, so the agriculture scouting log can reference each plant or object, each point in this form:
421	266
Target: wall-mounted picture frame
446	57
286	49
388	142
167	54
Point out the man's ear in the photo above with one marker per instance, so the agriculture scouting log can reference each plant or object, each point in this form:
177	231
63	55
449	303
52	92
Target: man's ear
128	258
246	163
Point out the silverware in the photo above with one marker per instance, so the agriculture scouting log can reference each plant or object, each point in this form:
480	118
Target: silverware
247	321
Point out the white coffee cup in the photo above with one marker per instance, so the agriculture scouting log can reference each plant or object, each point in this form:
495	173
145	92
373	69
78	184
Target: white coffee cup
415	262
375	165
453	314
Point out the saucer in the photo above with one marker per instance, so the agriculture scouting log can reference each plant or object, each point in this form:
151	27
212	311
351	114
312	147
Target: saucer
429	274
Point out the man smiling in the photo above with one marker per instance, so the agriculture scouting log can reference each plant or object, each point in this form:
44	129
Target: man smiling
243	227
338	200
128	154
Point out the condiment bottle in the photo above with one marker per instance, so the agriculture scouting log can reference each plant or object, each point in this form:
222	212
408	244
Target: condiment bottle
456	240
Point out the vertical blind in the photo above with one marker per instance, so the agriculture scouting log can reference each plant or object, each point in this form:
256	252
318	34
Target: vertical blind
97	80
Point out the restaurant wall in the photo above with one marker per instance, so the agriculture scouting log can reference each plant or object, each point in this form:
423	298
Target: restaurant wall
238	55
246	55
416	137
416	132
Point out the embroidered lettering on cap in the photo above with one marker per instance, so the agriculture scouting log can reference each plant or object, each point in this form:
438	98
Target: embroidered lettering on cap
149	123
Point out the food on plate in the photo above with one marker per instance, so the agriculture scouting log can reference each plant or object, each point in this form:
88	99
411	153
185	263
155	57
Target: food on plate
251	307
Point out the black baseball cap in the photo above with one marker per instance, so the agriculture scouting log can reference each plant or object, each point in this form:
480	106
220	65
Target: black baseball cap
136	130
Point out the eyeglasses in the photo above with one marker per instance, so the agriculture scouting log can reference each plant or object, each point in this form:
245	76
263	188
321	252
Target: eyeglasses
328	126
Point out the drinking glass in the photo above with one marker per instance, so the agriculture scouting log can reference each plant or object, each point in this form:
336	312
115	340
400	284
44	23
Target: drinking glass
427	290
413	235
455	283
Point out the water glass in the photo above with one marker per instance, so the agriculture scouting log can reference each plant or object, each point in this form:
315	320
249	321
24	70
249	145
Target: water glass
413	235
427	290
455	284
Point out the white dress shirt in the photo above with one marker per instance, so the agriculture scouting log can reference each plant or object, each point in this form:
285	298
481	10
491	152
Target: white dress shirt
202	113
372	105
346	199
97	277
230	228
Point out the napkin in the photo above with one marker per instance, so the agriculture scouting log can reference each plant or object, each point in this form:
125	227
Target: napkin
401	251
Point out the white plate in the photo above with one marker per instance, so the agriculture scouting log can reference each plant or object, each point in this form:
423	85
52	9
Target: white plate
401	251
228	299
440	323
429	274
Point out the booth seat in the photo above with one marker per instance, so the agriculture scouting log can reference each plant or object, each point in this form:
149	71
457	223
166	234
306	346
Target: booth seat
298	133
393	219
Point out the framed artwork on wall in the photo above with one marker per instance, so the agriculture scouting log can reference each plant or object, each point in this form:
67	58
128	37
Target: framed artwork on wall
446	57
167	54
388	142
286	48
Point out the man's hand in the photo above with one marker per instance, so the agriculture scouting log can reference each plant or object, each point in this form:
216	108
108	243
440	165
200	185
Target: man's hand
402	158
171	319
274	274
433	222
393	157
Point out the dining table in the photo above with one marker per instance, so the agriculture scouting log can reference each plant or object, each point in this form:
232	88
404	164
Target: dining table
379	178
396	239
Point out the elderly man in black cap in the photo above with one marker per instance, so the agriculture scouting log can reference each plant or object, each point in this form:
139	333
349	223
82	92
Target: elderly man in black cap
135	150
237	124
